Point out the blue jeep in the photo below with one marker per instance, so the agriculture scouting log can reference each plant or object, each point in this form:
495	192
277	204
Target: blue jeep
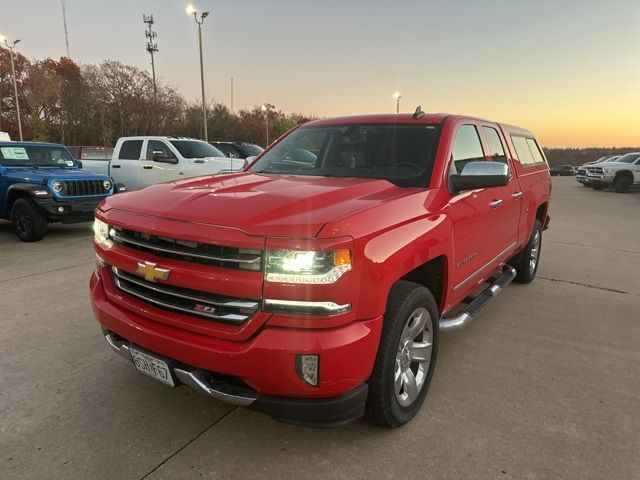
42	183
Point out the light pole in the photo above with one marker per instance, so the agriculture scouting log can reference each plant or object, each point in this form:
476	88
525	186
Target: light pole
265	109
397	96
191	10
15	84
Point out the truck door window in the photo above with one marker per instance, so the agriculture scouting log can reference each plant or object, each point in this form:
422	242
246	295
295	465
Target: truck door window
130	150
158	146
228	150
496	150
466	148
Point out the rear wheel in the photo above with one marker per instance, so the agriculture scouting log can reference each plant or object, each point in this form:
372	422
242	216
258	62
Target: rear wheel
29	224
622	184
527	266
406	356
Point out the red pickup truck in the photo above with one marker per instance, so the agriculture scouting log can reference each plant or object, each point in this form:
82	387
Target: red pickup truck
313	286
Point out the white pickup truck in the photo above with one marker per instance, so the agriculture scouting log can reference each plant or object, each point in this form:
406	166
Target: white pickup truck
138	162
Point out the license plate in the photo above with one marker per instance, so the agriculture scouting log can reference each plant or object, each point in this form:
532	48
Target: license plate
151	366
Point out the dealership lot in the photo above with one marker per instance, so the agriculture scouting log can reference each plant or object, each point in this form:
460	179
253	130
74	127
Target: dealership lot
545	382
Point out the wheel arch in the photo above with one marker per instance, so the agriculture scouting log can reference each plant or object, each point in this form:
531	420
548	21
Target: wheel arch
433	276
624	173
16	191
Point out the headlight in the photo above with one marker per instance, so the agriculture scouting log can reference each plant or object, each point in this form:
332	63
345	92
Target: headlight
107	184
101	233
57	186
294	266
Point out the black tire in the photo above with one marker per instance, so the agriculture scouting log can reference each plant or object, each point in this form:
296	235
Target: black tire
383	403
28	223
622	184
525	273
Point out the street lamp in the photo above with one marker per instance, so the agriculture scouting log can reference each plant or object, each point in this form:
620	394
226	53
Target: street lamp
191	10
15	85
397	96
265	110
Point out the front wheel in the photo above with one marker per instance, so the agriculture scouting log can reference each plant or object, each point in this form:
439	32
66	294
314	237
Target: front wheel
622	184
29	224
406	355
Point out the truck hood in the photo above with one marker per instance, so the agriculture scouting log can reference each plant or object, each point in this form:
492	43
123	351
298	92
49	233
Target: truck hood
259	204
44	174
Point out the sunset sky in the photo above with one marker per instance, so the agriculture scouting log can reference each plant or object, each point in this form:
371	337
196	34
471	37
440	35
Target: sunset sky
569	70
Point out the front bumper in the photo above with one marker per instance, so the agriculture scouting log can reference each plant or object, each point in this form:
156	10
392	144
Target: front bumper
74	211
322	412
262	368
598	180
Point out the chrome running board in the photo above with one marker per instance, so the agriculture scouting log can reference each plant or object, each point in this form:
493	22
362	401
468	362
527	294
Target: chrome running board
465	317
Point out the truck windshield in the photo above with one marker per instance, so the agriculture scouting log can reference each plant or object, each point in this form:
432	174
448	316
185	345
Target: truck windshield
402	154
196	149
35	156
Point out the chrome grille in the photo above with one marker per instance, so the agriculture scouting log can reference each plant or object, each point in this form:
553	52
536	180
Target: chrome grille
192	302
82	188
188	251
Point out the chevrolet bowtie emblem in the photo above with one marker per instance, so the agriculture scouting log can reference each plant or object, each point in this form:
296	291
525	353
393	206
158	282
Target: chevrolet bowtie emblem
151	273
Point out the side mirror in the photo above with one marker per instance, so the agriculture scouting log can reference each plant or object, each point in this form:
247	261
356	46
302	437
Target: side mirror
160	156
79	163
479	175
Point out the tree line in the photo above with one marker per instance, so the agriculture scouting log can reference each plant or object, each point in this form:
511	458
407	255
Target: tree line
63	102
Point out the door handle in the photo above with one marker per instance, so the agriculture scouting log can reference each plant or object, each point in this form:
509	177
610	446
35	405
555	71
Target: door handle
115	166
147	167
516	195
495	203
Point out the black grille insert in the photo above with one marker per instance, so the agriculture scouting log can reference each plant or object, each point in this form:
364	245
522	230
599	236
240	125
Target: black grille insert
192	302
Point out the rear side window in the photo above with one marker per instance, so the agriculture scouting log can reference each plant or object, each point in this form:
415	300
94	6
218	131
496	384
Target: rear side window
496	150
527	150
130	150
466	148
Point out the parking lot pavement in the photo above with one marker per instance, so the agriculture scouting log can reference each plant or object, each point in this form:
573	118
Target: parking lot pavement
544	384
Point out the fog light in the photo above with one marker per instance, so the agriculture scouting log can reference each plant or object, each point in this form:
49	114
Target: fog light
60	209
307	368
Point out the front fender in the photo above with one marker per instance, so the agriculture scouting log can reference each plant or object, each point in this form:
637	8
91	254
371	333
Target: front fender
390	255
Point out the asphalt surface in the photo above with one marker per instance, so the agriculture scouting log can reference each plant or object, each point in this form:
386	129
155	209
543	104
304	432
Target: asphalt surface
544	384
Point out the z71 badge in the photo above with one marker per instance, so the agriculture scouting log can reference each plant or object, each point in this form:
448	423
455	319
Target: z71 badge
204	308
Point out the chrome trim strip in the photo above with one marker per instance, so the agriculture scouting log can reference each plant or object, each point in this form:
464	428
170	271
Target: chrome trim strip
231	304
118	239
229	317
489	263
290	306
196	379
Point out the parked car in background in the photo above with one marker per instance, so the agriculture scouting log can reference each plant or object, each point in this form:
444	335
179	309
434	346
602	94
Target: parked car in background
238	149
138	162
581	172
562	170
313	286
91	153
4	137
41	183
621	174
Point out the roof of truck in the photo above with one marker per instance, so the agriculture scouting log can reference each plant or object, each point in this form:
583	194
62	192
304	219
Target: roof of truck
29	144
